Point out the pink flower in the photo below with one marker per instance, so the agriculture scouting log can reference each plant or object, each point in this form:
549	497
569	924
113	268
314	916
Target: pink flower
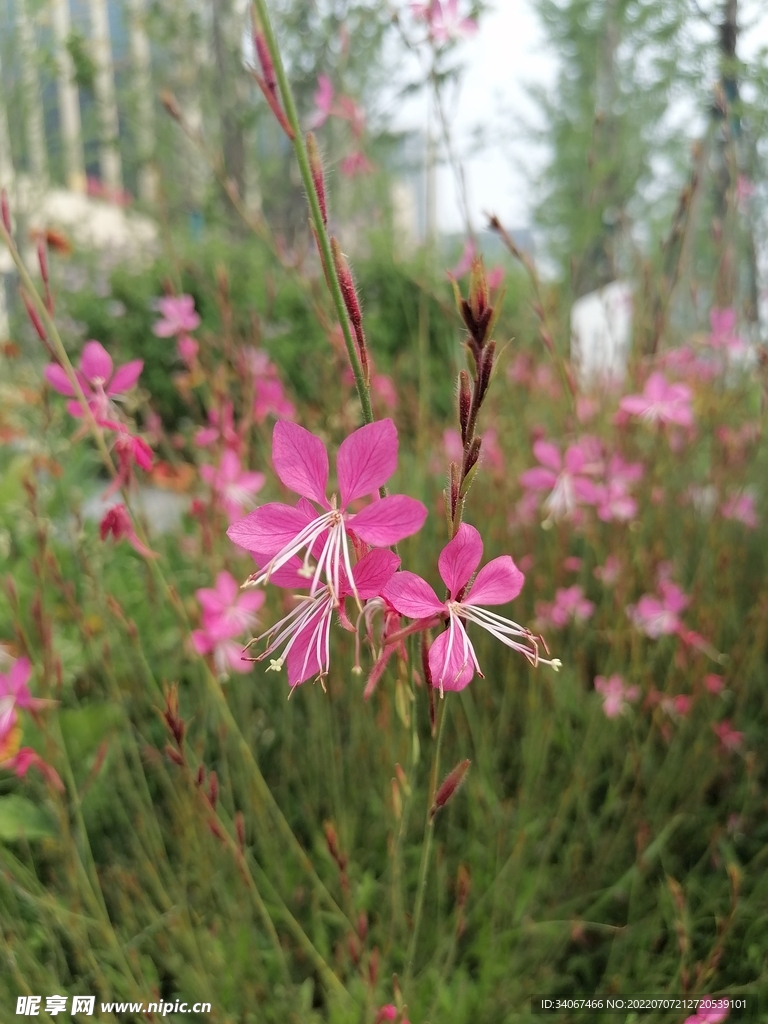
27	758
714	683
452	659
614	500
323	102
495	278
742	508
570	605
661	402
708	1016
615	694
221	429
572	563
270	400
227	612
233	485
187	348
366	460
609	572
117	523
178	316
465	260
130	451
99	384
442	17
305	633
723	334
14	693
565	479
659	616
355	163
730	739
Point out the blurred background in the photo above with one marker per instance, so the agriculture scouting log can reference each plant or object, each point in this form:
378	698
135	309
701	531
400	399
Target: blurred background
186	832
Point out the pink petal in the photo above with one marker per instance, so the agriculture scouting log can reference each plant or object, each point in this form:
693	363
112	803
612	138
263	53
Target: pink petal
636	405
125	377
374	571
252	600
95	362
458	672
574	459
410	595
210	601
389	520
267	529
234	654
302	660
164	329
459	558
300	460
497	582
58	379
548	454
19	676
202	642
227	588
538	479
366	460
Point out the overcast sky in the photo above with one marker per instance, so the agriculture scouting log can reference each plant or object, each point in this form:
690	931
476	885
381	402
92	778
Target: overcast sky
507	53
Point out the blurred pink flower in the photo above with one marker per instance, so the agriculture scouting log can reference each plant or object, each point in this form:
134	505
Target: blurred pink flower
609	572
659	616
495	278
14	689
723	332
587	408
573	563
228	612
565	478
741	507
708	1016
614	500
443	19
365	461
464	265
97	381
221	429
117	523
729	738
355	163
233	486
678	706
187	348
270	400
570	605
452	446
130	450
178	316
661	402
615	694
714	683
27	758
452	658
323	102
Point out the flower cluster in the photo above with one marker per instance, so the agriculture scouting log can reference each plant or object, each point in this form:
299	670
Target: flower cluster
331	549
15	697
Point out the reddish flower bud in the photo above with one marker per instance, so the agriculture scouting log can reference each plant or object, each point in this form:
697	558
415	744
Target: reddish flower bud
5	210
354	949
265	60
213	788
318	178
485	369
33	316
240	829
465	404
471	456
173	754
362	926
479	295
171	104
449	787
42	259
351	301
200	777
373	967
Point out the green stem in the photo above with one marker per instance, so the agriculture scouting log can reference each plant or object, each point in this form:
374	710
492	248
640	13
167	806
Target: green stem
314	206
426	847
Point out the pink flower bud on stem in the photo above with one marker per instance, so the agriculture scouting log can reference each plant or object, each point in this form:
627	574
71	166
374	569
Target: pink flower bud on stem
318	177
34	318
449	787
173	754
465	404
267	80
352	303
5	210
